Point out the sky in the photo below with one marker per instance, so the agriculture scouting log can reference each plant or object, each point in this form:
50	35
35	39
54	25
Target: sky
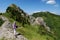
32	6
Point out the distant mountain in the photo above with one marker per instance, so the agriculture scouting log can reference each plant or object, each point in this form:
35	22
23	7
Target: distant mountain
52	20
46	14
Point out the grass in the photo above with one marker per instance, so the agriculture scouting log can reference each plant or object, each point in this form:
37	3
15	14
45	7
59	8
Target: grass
52	20
31	32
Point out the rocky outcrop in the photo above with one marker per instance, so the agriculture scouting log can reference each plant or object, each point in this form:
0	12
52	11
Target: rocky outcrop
6	31
39	21
31	19
17	14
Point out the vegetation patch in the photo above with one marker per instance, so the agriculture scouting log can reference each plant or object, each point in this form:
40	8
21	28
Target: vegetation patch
1	22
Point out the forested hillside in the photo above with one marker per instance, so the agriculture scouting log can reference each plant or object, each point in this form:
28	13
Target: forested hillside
52	20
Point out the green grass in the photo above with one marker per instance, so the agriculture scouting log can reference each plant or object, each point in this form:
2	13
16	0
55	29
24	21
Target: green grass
52	20
31	32
1	22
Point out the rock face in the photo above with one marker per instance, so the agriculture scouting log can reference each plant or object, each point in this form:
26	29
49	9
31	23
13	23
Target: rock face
39	21
32	19
6	31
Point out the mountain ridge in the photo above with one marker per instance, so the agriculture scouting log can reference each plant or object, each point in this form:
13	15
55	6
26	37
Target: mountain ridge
34	32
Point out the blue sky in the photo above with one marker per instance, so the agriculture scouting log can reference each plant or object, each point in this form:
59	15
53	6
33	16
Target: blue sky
31	6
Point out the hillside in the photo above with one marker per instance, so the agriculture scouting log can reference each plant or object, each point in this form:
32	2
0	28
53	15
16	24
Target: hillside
34	32
6	31
17	14
52	20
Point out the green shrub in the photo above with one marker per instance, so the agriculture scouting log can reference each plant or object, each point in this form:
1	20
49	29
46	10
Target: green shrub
1	22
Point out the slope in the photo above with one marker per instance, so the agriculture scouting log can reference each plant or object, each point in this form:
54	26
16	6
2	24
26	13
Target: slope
31	32
52	20
6	31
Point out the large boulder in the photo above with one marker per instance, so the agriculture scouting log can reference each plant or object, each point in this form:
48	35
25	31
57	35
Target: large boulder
40	21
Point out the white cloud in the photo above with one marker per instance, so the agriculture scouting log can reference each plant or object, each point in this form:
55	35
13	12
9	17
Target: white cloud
51	2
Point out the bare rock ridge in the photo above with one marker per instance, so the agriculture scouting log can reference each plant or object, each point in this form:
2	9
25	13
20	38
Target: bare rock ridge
6	31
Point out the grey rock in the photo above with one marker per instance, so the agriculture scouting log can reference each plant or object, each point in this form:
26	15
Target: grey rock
6	31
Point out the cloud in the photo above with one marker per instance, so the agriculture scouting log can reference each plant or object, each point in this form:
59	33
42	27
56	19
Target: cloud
51	2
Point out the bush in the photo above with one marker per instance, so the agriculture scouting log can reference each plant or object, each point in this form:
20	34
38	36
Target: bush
1	22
